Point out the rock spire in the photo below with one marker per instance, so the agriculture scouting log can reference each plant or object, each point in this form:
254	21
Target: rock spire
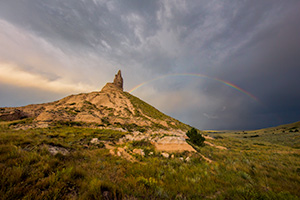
118	81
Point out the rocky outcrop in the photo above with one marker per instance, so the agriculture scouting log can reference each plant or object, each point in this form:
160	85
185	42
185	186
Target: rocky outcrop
173	143
139	152
56	149
10	114
118	81
116	85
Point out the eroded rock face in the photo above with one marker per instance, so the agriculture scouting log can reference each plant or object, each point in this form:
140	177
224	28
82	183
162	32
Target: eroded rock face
11	114
118	81
116	85
173	144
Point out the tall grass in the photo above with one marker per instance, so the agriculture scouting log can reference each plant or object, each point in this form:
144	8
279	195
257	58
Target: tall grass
245	171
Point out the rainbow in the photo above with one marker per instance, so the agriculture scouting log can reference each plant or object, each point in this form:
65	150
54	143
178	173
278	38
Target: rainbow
197	75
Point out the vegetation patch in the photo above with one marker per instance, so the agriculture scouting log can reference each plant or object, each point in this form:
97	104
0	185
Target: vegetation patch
21	122
195	137
250	169
152	112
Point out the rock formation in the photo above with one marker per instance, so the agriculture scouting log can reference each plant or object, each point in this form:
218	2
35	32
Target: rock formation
116	85
10	114
118	81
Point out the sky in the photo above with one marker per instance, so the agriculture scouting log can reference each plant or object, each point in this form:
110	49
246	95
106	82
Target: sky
213	64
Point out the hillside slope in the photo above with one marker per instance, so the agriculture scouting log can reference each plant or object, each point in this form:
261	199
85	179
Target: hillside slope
285	135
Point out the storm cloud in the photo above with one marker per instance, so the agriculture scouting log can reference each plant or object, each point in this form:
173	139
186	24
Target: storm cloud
215	52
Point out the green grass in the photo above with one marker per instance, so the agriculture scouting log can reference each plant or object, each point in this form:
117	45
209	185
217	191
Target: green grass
152	112
250	169
146	108
20	122
285	135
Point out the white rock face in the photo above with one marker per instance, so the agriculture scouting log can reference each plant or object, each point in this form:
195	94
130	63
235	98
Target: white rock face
172	140
95	141
173	144
166	155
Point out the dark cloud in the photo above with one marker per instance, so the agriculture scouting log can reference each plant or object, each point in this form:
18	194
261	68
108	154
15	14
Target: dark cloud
268	66
252	44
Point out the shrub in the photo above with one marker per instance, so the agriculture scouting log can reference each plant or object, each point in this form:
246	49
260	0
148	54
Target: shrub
195	137
141	143
102	190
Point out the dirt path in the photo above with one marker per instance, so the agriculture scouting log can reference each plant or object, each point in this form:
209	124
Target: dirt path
208	137
218	147
207	159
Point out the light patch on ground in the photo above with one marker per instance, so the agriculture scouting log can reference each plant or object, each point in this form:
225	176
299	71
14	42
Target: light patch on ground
218	147
172	144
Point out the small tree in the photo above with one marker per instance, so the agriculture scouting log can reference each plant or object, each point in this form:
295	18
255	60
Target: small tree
195	137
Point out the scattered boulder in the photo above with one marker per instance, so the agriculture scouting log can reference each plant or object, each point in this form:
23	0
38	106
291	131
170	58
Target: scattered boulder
55	150
112	152
166	155
139	152
95	141
187	159
119	153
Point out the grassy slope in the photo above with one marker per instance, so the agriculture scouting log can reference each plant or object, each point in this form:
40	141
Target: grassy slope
154	113
285	135
248	170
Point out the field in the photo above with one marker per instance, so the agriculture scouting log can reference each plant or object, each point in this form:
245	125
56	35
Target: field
262	164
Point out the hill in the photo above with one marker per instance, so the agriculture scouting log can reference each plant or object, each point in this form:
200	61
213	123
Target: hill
286	135
110	107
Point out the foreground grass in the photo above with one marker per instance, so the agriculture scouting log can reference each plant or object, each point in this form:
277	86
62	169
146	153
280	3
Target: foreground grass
248	170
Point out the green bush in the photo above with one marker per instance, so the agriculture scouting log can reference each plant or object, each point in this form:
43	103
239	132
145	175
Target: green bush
195	137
